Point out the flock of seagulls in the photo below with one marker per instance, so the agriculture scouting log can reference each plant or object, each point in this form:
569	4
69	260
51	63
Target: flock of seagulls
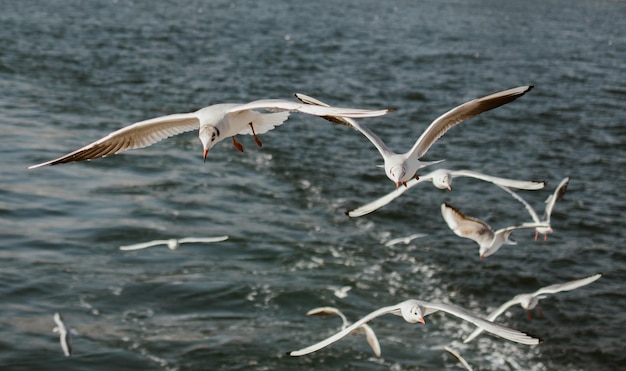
218	122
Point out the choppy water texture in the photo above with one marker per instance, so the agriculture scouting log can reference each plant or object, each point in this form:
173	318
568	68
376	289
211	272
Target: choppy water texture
72	71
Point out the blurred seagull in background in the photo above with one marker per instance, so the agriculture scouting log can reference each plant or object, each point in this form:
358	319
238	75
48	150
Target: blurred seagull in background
173	243
64	334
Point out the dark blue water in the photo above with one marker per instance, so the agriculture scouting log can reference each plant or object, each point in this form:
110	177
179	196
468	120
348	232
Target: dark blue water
72	71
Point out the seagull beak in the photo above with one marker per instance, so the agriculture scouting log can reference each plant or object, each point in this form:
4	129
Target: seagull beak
421	320
449	188
206	151
481	257
397	185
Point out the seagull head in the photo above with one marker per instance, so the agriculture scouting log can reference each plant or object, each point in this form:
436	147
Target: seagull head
442	180
397	173
412	311
209	136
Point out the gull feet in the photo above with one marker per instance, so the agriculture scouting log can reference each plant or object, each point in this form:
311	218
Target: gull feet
256	139
237	145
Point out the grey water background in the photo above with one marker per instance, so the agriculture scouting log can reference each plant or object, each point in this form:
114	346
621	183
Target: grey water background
73	71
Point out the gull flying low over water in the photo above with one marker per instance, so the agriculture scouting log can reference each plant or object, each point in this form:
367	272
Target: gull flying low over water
64	334
402	167
414	311
558	194
372	340
214	124
442	179
480	232
530	301
405	240
173	243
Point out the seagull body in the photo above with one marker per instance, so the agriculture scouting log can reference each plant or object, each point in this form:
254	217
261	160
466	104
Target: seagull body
402	167
442	179
173	243
480	232
558	194
214	124
530	301
414	311
64	334
372	340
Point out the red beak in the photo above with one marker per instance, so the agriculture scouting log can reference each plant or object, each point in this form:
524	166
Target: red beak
421	320
206	151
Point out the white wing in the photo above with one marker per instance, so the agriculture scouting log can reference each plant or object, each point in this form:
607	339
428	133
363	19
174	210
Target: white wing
458	357
202	239
519	198
137	135
503	332
461	113
377	204
492	316
338	336
329	311
372	340
286	105
143	245
556	196
567	286
405	240
370	135
511	183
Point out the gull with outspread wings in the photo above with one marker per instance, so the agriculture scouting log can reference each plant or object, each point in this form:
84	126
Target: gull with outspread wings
442	179
402	167
173	243
214	124
530	301
558	194
480	232
414	311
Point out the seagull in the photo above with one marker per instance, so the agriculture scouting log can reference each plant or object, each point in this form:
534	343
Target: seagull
340	291
64	334
372	340
479	231
173	243
461	360
530	301
442	179
558	194
414	311
214	124
402	167
405	240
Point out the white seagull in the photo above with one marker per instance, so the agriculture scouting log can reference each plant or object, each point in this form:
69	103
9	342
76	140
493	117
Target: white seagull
214	124
414	311
173	243
558	194
405	240
442	179
402	167
530	301
372	340
480	232
64	334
